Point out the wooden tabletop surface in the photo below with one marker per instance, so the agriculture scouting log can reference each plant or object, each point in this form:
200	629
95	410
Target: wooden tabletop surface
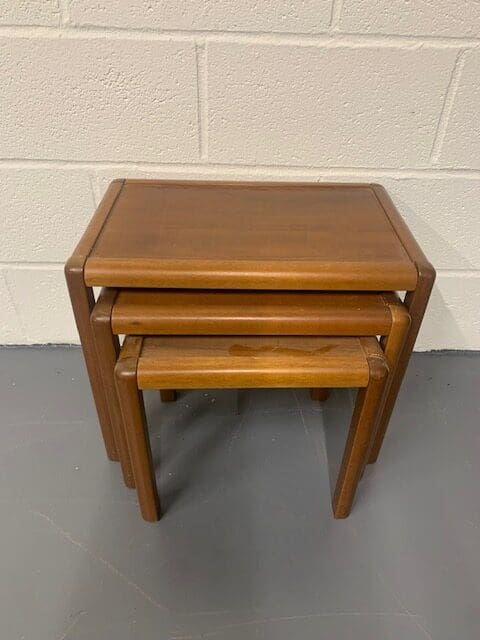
250	236
243	361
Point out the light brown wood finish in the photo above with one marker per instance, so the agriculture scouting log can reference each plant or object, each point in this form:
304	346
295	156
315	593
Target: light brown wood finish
108	349
362	429
219	312
194	312
164	234
235	361
246	235
133	414
392	344
416	301
83	301
197	362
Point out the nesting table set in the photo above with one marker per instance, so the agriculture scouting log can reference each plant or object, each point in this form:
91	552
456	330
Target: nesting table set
245	285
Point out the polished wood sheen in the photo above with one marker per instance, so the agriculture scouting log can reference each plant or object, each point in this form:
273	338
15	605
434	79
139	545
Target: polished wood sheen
194	362
108	349
252	236
83	301
198	312
135	428
416	302
218	312
362	429
168	234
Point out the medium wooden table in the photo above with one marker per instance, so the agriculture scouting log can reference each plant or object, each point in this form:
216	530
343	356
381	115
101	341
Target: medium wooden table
213	235
205	312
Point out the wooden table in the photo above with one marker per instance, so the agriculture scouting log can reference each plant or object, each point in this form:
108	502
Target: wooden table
213	362
219	235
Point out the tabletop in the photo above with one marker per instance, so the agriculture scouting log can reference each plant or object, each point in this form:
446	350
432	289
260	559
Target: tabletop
250	236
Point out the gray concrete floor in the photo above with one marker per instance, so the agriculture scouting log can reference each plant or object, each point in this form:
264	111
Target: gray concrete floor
247	547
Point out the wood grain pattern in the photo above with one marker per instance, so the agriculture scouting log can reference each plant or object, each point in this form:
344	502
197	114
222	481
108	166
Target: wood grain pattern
135	427
193	312
362	429
246	236
220	312
200	312
336	360
223	235
83	302
108	349
195	362
392	344
416	302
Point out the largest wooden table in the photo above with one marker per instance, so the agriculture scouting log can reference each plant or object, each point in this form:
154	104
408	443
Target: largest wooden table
219	235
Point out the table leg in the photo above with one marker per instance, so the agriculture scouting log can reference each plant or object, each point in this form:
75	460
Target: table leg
416	302
168	395
83	301
360	435
108	349
135	426
319	395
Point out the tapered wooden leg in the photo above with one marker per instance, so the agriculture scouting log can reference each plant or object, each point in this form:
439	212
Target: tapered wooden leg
416	303
392	346
108	349
133	412
168	395
360	436
319	395
83	302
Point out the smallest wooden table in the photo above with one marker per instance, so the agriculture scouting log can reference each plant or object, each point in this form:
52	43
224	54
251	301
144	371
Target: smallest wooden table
203	362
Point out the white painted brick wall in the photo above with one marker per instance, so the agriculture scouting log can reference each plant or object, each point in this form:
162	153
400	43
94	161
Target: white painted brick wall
46	313
454	18
30	12
46	212
336	106
461	143
95	99
300	16
374	90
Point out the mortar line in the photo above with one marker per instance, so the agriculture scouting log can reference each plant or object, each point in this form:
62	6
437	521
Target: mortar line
335	15
447	107
282	170
40	265
92	181
64	6
323	38
459	273
202	99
